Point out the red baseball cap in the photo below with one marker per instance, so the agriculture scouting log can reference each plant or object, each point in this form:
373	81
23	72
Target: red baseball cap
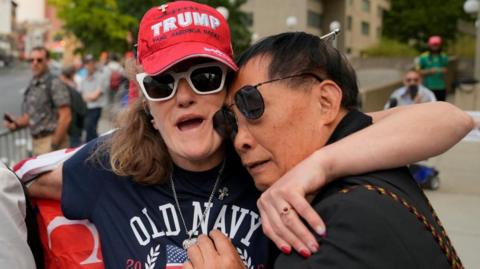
180	30
434	40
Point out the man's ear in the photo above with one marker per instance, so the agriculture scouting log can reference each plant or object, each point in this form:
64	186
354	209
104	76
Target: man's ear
329	97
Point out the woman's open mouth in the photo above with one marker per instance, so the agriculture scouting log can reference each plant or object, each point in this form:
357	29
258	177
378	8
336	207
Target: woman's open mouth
189	123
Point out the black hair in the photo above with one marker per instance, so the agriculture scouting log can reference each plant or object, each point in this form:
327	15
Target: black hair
299	52
42	48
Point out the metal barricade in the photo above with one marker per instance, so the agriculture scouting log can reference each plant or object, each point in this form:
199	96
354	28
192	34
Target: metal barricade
15	145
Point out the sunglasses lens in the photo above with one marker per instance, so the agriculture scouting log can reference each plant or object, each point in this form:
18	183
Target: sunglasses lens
225	123
159	86
207	79
250	102
37	60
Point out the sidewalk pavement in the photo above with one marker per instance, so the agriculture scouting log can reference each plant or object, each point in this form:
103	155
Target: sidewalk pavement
460	215
457	202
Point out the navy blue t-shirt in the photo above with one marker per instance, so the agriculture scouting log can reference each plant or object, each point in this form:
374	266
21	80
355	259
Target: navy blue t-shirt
140	226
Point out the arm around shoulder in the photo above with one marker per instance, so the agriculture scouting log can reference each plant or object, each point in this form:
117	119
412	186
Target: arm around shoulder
48	185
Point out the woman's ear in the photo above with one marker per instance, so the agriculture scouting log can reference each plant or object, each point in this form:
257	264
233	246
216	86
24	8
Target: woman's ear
329	97
146	109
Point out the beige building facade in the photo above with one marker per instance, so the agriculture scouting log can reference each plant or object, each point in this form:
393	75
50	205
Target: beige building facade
360	20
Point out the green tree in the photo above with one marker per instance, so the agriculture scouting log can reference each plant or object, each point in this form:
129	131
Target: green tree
417	20
98	24
104	24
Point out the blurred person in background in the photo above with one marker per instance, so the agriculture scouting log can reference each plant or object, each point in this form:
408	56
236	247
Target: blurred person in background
78	106
433	64
14	249
93	91
45	107
412	92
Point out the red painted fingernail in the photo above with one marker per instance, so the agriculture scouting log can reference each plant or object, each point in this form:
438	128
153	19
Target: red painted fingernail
305	253
286	250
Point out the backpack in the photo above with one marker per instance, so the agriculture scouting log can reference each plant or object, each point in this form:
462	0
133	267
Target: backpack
78	106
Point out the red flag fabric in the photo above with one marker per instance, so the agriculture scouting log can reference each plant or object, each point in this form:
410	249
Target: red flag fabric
73	244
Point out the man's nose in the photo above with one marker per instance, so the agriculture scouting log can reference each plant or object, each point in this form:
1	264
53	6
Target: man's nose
244	141
185	95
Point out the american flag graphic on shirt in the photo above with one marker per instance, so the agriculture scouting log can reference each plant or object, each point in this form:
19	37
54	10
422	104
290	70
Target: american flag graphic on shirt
175	257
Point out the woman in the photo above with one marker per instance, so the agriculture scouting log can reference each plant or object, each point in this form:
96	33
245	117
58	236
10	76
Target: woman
165	176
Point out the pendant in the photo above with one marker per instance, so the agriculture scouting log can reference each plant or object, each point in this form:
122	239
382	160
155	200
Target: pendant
223	193
189	242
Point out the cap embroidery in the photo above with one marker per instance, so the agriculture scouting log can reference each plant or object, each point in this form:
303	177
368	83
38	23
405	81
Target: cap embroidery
184	20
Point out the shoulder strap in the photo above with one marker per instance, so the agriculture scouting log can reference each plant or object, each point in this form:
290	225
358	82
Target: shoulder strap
439	234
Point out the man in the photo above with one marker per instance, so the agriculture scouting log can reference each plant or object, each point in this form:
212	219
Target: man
287	106
46	107
93	90
433	67
412	92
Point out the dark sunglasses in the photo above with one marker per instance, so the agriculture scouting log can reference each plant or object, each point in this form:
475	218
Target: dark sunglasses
205	78
38	60
249	102
415	80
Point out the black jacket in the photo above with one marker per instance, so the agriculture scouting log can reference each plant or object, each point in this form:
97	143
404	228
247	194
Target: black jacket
369	230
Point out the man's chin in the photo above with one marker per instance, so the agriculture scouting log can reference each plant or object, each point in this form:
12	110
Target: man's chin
263	184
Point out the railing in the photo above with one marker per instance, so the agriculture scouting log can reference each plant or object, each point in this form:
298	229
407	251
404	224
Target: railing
15	145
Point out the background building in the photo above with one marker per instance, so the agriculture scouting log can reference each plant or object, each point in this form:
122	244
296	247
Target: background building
8	10
360	20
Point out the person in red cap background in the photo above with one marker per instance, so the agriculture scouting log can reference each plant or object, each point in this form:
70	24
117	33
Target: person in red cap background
165	177
433	64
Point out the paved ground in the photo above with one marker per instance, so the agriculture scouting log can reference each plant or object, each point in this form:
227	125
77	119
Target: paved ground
460	214
457	202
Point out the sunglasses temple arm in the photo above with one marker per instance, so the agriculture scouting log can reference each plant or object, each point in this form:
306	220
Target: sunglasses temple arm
333	34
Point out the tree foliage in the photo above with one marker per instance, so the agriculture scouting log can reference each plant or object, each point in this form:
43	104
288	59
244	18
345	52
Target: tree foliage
413	20
98	24
104	24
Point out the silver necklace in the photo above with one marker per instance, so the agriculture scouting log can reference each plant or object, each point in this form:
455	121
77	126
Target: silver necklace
193	240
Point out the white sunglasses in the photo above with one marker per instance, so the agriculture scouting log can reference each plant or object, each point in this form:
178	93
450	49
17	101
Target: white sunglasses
204	79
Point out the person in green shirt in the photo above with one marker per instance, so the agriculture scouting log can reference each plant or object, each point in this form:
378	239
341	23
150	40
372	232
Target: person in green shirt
432	64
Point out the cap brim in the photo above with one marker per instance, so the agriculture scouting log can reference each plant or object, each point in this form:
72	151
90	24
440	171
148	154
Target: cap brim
166	58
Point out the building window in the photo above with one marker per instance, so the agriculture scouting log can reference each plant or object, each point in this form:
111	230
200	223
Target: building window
349	23
365	28
314	19
366	5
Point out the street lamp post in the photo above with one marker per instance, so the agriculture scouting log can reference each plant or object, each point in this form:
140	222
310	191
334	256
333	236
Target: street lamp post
473	7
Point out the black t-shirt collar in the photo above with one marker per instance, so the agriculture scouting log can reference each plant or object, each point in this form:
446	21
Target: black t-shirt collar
352	122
